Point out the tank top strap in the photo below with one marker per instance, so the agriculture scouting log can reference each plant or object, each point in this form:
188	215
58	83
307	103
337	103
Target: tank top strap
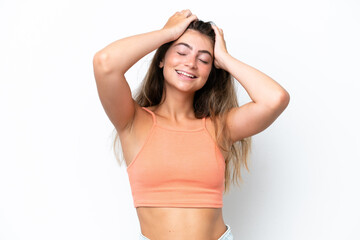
152	114
204	122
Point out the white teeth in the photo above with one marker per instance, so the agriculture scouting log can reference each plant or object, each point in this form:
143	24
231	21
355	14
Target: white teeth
186	74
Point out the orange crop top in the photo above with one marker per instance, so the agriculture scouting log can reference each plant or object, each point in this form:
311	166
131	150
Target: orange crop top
177	168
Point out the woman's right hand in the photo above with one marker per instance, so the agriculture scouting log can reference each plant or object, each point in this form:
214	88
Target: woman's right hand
177	23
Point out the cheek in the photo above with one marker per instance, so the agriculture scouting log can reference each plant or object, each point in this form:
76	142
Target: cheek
171	58
168	71
206	71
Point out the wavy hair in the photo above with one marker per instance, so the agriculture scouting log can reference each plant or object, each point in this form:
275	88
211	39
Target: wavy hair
213	100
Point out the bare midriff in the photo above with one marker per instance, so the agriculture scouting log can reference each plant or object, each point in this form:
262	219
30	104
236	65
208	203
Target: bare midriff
160	223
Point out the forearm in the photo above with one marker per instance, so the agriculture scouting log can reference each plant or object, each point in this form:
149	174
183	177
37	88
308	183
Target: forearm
124	53
260	87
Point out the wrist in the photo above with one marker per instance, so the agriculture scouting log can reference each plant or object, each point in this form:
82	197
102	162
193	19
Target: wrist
222	59
168	34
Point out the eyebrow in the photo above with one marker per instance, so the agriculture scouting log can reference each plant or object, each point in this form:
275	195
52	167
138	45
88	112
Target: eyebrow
188	46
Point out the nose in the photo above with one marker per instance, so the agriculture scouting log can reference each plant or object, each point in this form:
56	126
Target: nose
191	61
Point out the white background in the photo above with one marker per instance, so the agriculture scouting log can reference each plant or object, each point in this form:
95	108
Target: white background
59	178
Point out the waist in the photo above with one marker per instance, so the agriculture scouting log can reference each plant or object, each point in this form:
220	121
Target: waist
181	223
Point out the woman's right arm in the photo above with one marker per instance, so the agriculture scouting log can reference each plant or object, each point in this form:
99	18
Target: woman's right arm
111	63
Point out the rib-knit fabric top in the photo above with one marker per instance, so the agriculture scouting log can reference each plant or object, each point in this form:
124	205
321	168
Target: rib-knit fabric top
177	168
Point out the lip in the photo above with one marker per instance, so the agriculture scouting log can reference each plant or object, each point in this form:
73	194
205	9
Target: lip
185	77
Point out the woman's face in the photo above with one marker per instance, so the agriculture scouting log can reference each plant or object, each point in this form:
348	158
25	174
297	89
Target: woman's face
188	61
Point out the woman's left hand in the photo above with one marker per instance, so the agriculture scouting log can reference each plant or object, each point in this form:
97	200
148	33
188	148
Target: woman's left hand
220	47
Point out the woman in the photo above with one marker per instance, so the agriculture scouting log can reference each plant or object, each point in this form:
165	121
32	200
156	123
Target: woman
184	128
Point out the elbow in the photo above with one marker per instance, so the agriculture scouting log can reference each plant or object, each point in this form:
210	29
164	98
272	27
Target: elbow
101	62
283	100
279	101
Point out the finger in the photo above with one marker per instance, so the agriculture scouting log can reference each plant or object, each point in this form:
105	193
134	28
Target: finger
212	23
192	18
187	12
216	29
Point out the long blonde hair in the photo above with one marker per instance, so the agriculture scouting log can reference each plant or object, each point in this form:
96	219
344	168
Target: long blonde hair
213	100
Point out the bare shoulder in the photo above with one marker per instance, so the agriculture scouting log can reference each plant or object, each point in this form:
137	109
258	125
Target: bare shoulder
140	120
134	136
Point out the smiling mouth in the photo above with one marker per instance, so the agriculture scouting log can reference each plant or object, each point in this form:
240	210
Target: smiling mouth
185	74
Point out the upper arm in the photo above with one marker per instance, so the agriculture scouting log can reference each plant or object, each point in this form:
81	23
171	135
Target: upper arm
114	93
252	118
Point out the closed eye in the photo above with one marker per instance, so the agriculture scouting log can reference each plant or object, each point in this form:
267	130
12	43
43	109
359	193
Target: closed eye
183	54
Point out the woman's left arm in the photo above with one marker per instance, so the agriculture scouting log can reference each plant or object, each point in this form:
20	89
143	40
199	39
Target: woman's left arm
269	99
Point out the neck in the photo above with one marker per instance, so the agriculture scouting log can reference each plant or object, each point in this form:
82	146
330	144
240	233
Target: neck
177	105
